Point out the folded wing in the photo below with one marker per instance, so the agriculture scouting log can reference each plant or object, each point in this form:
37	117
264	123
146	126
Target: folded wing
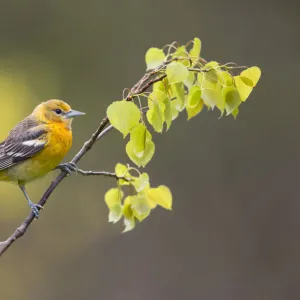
24	141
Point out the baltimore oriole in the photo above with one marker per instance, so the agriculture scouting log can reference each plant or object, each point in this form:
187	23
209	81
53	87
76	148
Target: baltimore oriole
37	145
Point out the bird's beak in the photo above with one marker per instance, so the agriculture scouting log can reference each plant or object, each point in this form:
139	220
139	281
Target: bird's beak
73	113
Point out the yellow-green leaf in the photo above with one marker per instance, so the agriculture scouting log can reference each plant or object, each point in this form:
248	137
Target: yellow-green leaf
123	115
206	81
232	99
154	58
225	78
180	52
235	113
196	49
251	76
192	112
129	224
176	72
159	86
177	90
174	110
164	106
243	89
141	182
213	97
129	220
211	76
138	138
211	65
168	113
182	55
121	170
189	82
113	196
162	196
194	97
155	116
140	205
115	213
127	211
147	155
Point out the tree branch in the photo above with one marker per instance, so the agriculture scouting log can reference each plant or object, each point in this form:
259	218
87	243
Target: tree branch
143	84
97	173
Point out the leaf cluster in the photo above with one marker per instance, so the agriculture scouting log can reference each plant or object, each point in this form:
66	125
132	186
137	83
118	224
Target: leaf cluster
181	80
139	202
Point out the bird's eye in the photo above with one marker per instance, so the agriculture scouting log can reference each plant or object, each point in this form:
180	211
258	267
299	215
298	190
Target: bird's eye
58	111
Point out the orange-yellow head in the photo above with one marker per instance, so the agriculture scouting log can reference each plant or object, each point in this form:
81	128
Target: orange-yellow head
56	111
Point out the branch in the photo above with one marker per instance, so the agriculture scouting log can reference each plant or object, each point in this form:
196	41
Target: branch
143	84
97	173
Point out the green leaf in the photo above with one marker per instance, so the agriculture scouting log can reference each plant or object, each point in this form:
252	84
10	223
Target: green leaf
182	55
206	82
140	205
129	224
235	113
159	86
180	52
159	96
176	72
155	116
164	106
194	97
154	58
232	99
162	196
189	82
121	170
195	51
129	220
251	76
168	113
115	213
225	78
177	90
147	156
141	182
211	65
243	89
192	112
123	115
174	110
213	97
138	138
113	197
127	211
211	76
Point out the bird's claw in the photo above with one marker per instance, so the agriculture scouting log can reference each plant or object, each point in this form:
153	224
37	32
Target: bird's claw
67	167
35	209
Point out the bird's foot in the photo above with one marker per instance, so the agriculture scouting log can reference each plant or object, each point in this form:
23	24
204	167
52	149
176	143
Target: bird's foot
35	209
67	167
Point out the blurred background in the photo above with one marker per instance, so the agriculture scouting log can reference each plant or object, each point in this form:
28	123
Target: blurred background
234	229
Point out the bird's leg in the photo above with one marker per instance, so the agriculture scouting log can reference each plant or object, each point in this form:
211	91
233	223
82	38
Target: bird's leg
67	167
34	207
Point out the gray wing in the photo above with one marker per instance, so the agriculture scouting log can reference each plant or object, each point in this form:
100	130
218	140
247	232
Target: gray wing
24	141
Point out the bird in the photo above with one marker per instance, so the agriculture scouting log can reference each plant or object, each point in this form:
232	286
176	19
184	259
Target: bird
37	145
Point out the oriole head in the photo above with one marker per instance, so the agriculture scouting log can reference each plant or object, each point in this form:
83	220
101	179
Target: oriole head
56	111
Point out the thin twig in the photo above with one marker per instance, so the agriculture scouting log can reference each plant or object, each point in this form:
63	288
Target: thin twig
96	173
